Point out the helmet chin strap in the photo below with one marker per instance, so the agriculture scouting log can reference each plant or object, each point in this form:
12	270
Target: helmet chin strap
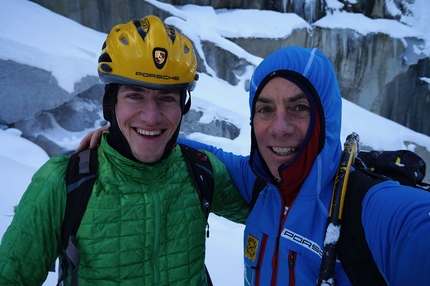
117	140
185	104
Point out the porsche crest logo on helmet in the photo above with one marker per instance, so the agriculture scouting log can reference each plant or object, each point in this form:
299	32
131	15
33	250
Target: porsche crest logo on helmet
160	56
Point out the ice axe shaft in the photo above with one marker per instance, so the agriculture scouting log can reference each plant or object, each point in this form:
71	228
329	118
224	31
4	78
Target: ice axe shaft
334	221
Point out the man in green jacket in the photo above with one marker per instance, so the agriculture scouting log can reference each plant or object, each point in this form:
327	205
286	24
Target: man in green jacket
144	224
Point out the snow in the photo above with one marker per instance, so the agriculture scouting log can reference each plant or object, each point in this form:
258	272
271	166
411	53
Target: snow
332	234
426	79
329	282
365	25
30	36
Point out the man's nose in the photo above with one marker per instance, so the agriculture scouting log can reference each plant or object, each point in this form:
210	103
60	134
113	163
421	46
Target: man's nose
283	124
151	112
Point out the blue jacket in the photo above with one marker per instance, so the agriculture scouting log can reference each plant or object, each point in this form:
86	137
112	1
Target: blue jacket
283	246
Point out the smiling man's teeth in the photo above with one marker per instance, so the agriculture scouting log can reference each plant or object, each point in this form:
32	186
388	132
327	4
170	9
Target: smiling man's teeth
283	151
149	133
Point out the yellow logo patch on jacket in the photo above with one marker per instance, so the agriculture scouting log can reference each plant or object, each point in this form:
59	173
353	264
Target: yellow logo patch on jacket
251	248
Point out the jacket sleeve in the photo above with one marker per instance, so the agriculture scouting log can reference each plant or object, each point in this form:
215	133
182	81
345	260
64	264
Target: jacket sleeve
30	244
227	201
237	166
396	221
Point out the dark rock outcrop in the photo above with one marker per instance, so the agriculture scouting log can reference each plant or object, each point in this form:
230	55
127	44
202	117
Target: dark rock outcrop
25	91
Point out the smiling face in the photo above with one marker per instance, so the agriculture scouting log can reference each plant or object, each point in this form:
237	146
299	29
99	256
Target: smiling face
281	121
147	118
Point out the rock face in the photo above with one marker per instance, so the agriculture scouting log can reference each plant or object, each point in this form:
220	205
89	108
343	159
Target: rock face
38	90
103	15
372	70
82	112
377	72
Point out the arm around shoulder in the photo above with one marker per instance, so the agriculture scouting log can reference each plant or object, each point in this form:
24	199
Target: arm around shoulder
227	200
237	166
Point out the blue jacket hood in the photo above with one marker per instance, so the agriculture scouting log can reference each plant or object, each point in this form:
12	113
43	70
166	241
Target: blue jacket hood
314	71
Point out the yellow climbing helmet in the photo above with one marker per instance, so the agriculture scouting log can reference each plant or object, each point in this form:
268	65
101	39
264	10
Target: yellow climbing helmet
149	53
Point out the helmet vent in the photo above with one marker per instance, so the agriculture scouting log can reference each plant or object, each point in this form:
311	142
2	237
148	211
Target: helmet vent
124	41
106	68
105	58
171	32
186	50
142	27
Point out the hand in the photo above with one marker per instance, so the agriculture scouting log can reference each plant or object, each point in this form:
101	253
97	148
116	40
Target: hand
92	139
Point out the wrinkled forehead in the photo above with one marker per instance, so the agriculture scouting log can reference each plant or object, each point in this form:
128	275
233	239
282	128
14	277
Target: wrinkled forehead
281	89
293	87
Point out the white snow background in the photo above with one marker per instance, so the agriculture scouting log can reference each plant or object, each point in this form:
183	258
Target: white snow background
35	36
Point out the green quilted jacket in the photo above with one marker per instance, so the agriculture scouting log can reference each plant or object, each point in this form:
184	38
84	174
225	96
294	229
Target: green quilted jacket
143	226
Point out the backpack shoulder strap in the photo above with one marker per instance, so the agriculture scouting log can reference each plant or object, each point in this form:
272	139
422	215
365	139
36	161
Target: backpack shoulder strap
353	251
80	177
202	173
259	185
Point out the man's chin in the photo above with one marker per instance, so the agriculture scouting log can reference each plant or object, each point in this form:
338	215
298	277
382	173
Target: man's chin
148	157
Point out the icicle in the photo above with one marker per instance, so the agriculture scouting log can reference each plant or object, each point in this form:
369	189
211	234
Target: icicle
344	49
284	4
310	7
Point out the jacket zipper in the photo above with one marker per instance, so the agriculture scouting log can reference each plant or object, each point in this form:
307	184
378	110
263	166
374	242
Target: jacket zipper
275	259
275	263
291	263
157	227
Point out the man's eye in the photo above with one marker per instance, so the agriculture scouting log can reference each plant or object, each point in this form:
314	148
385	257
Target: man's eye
263	110
302	108
300	111
134	96
167	98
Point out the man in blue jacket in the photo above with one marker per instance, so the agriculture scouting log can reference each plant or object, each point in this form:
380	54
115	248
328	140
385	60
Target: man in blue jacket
295	105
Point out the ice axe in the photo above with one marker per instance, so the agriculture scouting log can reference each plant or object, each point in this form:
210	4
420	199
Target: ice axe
334	221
